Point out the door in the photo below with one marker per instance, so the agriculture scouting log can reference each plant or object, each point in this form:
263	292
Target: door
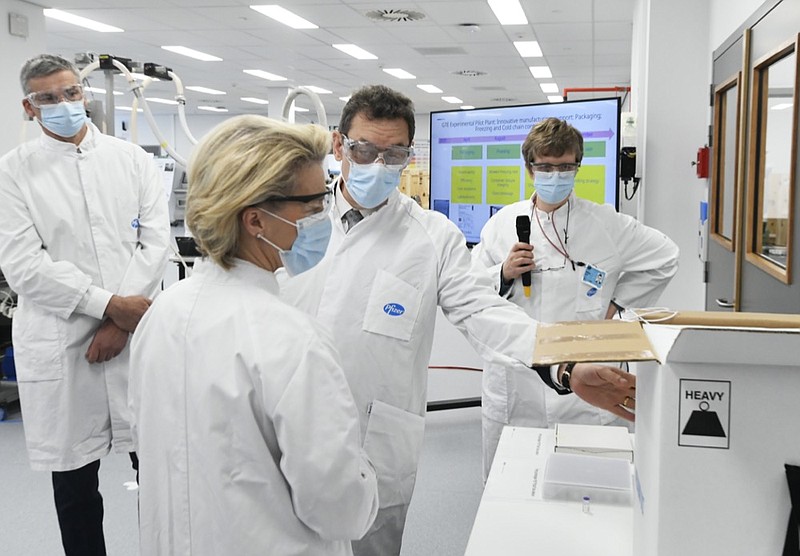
754	224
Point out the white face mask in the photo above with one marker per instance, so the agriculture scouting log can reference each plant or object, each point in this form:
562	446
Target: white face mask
554	187
64	119
310	245
371	184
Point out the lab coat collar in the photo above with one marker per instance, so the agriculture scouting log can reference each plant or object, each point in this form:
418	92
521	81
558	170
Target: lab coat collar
242	272
87	144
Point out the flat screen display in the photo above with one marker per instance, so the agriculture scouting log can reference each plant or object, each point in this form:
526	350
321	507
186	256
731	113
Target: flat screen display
477	166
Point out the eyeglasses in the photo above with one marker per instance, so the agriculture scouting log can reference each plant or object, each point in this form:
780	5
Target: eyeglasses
70	93
364	152
326	198
540	270
545	167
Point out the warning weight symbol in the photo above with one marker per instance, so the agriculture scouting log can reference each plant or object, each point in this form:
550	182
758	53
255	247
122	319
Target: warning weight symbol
705	410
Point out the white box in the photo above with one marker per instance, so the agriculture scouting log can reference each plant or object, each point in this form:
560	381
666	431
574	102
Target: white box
715	422
594	440
570	477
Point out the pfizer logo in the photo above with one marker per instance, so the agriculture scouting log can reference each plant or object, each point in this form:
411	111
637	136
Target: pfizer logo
135	223
394	309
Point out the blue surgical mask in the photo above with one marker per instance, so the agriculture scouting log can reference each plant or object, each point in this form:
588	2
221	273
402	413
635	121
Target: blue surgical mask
65	119
371	184
310	245
554	187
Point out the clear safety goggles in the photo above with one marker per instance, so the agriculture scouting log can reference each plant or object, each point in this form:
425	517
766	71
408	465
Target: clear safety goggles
69	93
364	152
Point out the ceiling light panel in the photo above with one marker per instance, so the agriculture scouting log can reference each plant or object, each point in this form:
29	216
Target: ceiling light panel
508	12
318	90
205	90
528	49
548	87
452	100
541	72
282	15
555	98
192	53
265	75
399	73
158	100
255	100
212	108
430	89
355	51
81	21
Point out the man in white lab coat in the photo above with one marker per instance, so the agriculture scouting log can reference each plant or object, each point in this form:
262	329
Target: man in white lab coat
388	266
83	242
586	262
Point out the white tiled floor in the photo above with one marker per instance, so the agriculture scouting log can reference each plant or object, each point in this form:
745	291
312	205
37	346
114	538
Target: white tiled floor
445	501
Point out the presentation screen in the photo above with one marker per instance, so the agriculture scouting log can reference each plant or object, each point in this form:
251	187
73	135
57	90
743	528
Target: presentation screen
477	166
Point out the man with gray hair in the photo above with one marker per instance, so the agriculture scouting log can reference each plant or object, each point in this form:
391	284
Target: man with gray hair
83	241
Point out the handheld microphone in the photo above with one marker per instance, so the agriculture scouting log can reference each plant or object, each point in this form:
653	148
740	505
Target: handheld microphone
524	236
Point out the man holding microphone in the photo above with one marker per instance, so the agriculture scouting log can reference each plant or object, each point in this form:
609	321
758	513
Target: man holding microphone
562	258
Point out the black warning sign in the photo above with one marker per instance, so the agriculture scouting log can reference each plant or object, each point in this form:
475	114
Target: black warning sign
705	413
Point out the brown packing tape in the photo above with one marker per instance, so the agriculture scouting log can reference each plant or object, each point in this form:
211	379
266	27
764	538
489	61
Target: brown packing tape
714	318
591	341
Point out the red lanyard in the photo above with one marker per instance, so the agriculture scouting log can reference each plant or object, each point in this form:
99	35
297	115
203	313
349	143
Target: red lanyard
563	250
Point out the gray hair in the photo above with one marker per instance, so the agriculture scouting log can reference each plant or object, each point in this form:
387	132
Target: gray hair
42	66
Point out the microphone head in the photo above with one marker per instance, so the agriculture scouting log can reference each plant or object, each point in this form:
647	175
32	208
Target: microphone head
524	224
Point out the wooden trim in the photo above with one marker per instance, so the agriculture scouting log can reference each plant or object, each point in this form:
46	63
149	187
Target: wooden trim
740	182
717	201
755	216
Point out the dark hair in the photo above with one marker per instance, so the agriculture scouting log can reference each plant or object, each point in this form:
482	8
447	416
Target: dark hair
378	102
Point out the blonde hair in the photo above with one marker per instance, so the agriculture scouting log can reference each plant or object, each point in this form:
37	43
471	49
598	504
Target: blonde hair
552	137
244	161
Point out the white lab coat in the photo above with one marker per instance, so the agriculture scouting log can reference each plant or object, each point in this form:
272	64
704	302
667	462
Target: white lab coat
639	262
76	226
377	290
248	437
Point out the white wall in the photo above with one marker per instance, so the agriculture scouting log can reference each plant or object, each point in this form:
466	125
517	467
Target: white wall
673	115
14	51
726	17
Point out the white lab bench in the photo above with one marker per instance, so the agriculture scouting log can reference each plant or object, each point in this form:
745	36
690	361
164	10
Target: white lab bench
514	519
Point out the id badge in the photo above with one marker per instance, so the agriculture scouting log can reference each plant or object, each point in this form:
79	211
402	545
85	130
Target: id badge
593	277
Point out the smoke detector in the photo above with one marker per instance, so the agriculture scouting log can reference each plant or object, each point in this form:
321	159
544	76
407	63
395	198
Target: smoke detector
469	73
395	15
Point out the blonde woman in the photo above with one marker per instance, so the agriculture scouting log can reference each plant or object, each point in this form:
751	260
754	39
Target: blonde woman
247	431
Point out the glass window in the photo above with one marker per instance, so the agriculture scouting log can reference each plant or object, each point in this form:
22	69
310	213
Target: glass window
725	186
775	109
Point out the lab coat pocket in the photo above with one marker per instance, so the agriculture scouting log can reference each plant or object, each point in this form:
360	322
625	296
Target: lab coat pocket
37	349
588	303
394	442
392	308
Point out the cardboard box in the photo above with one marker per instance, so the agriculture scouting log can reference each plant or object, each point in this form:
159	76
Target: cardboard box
717	417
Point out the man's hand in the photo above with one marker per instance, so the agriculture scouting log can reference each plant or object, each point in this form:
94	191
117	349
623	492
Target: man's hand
519	260
126	312
108	342
606	387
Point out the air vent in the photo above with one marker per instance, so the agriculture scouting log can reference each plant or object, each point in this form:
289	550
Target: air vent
503	99
441	51
395	15
469	73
